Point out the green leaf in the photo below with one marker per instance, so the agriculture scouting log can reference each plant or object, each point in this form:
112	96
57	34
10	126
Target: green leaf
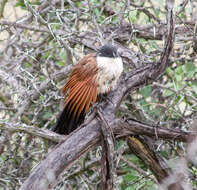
170	72
119	144
47	115
28	65
178	77
189	66
60	63
20	3
41	78
167	92
55	26
146	91
42	98
145	104
132	16
142	48
180	84
129	188
179	70
157	11
164	154
63	54
189	69
46	55
129	177
35	3
156	112
97	12
154	45
182	14
194	86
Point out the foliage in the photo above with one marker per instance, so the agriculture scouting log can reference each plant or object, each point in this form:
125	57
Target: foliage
32	71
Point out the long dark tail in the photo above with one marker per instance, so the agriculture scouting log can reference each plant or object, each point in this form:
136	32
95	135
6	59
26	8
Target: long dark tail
68	121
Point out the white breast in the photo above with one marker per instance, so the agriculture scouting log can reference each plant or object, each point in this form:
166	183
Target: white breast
109	71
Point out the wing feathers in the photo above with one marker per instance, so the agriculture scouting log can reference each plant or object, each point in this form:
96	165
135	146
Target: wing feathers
89	99
80	93
84	100
74	92
78	99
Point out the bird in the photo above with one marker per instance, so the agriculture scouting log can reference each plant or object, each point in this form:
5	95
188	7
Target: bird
95	74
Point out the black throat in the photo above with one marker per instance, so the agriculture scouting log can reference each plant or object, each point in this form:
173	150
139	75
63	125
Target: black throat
108	51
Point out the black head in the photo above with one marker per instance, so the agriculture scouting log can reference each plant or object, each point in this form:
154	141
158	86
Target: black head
108	51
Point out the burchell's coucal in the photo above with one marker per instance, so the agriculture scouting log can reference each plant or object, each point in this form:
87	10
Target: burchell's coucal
95	74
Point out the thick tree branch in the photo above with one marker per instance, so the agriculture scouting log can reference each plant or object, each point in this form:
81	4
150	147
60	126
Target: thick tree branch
64	155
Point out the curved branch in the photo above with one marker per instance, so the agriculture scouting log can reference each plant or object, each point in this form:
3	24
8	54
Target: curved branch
47	173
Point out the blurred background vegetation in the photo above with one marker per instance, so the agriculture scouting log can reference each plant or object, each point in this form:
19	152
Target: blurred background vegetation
39	40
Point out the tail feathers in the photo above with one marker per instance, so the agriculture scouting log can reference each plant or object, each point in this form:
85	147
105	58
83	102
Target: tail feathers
68	121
